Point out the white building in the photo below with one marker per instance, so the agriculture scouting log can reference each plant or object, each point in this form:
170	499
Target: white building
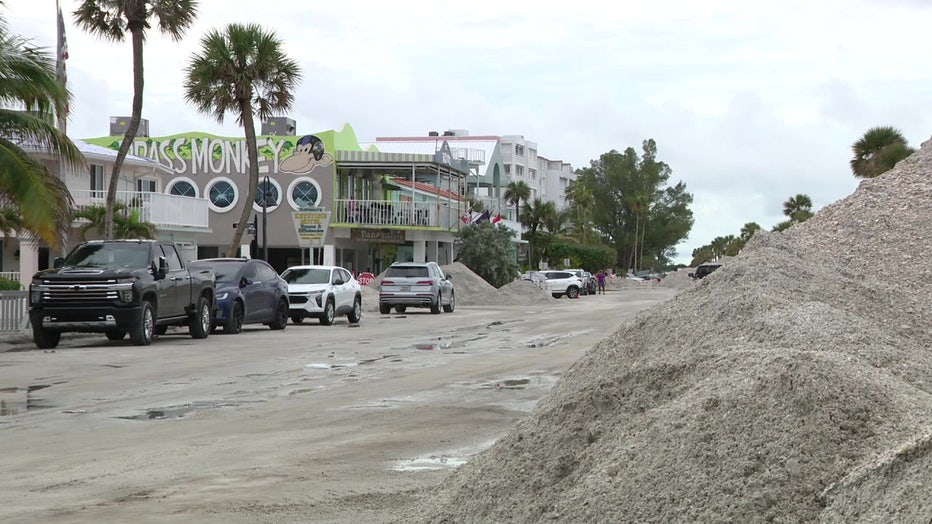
548	179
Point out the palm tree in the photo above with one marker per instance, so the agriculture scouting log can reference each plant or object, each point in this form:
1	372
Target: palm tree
878	151
28	82
581	199
638	203
111	19
748	230
798	208
127	223
536	215
515	192
242	70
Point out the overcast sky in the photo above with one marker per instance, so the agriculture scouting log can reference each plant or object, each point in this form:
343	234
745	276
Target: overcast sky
749	102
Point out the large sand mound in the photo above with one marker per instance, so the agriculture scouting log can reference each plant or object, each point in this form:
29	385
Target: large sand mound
791	385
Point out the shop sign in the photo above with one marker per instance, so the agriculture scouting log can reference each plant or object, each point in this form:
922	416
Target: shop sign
393	236
311	227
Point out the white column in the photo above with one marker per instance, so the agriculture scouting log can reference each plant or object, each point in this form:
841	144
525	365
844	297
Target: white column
28	259
432	253
330	255
420	251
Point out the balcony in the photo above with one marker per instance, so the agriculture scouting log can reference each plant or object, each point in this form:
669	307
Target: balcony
165	211
389	213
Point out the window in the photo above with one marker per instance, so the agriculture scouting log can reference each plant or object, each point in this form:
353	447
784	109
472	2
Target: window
303	193
145	185
222	194
266	272
533	173
519	150
171	256
97	181
269	189
182	187
519	170
507	169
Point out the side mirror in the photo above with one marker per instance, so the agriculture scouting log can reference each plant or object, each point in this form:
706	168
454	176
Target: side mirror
449	276
691	275
163	267
338	282
243	282
58	262
154	269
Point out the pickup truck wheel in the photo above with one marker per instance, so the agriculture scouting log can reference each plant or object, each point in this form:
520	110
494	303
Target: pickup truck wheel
142	333
45	339
199	325
355	314
281	316
115	335
326	318
234	324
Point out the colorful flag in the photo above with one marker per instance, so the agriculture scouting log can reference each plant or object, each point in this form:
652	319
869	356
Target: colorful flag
497	218
60	72
484	217
466	217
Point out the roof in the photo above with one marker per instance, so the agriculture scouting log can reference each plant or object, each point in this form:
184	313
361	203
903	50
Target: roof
317	266
477	151
421	187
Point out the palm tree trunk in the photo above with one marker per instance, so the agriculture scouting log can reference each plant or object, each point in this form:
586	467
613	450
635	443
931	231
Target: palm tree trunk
253	153
130	134
636	228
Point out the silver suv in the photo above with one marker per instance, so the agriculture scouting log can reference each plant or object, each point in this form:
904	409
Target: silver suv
416	284
561	283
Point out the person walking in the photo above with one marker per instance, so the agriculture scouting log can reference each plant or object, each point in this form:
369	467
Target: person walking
600	278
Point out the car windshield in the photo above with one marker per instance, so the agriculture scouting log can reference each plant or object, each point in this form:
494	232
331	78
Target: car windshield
225	272
110	256
307	276
407	272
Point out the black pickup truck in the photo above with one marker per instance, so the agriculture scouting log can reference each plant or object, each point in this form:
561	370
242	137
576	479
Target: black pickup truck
140	287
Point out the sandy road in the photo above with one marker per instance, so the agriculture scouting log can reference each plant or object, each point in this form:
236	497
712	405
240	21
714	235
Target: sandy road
312	424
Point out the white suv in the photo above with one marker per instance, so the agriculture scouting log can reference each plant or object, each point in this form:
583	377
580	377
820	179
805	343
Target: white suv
323	292
561	283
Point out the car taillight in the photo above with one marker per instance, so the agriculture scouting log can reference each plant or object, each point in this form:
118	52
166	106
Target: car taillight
425	282
388	283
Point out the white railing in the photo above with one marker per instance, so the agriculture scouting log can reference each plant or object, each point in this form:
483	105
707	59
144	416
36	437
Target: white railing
10	275
158	208
14	310
396	213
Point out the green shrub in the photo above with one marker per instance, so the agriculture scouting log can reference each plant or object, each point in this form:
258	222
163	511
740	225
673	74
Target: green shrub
9	285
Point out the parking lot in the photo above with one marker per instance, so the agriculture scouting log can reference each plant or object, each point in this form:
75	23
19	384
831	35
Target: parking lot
313	423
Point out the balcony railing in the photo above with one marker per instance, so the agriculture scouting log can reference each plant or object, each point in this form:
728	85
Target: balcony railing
157	208
387	213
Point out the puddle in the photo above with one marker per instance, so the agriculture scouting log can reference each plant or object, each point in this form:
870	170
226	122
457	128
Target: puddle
442	460
514	383
16	401
438	343
179	411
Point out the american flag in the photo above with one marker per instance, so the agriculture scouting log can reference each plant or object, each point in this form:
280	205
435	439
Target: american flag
60	72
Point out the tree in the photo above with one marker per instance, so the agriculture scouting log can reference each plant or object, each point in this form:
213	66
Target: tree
748	230
515	193
535	217
40	199
242	70
127	223
488	250
615	181
878	151
798	208
580	200
112	19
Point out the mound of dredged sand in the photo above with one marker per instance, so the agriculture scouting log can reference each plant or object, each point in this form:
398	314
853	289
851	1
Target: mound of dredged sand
679	279
791	385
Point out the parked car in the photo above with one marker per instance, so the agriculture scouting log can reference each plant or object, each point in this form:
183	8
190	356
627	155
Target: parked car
704	269
249	291
416	284
323	292
120	287
589	284
561	283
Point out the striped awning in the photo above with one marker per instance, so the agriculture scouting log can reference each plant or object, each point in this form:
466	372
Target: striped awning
378	157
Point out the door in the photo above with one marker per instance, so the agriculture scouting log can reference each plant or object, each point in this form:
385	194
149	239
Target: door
252	294
343	293
175	287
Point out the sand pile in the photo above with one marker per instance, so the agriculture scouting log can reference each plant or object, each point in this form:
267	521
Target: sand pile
792	385
678	279
525	292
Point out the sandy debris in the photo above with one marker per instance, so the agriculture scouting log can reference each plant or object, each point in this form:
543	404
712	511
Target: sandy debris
678	279
791	385
471	290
